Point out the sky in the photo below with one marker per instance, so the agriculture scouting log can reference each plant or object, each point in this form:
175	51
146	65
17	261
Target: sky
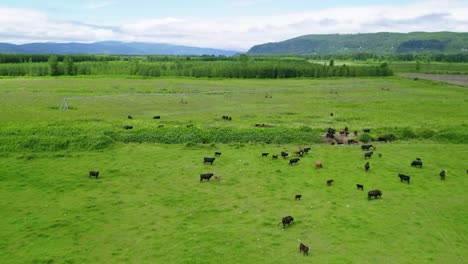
224	24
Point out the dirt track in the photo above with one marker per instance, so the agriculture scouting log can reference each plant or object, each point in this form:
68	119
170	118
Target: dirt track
455	79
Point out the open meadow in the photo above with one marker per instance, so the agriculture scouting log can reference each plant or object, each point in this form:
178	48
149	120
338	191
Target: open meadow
149	206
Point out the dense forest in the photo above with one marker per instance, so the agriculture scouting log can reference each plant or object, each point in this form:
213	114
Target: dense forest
241	66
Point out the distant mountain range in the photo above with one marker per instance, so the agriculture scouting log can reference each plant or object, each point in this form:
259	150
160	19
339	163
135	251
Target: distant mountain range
111	47
377	43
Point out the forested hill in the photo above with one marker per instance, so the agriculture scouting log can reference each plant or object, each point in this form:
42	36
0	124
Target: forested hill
377	43
111	47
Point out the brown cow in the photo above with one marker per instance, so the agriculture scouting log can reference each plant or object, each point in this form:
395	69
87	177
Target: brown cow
318	164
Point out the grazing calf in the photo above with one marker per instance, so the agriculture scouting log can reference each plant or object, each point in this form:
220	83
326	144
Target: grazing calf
130	117
318	165
294	161
374	193
303	248
94	174
298	197
368	154
442	174
360	187
367	166
206	176
329	182
416	163
218	177
217	154
367	147
208	160
128	127
274	156
156	117
265	154
404	177
284	154
287	220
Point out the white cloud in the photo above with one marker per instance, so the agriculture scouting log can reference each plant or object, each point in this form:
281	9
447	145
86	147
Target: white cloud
22	25
96	5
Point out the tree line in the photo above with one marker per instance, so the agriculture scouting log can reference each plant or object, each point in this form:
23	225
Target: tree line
243	67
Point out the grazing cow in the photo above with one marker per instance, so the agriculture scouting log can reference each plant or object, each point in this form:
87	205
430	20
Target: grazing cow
368	154
225	117
274	156
404	177
217	154
367	147
265	154
130	117
299	152
374	193
367	166
94	174
331	114
352	141
318	164
360	187
128	127
442	174
156	117
287	220
303	248
294	161
306	149
366	130
208	160
416	163
329	182
160	126
284	154
206	176
298	197
380	155
217	177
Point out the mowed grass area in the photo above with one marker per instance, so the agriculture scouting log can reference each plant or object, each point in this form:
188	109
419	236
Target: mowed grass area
148	205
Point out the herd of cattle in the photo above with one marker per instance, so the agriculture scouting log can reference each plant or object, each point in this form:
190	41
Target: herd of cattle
331	134
287	220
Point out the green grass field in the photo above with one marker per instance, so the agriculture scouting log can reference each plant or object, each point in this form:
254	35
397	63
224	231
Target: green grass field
148	205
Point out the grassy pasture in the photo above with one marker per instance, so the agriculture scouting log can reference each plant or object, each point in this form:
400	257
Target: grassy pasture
29	110
149	207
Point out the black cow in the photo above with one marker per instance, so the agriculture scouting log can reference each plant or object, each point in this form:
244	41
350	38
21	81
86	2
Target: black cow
303	248
329	182
416	163
130	117
404	177
206	176
160	126
286	221
156	117
374	193
128	127
306	149
367	147
294	161
442	174
225	117
368	154
366	130
298	197
208	160
360	187
265	154
284	154
380	155
367	166
217	154
94	174
274	157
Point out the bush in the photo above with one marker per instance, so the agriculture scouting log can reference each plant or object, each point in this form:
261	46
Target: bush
366	137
